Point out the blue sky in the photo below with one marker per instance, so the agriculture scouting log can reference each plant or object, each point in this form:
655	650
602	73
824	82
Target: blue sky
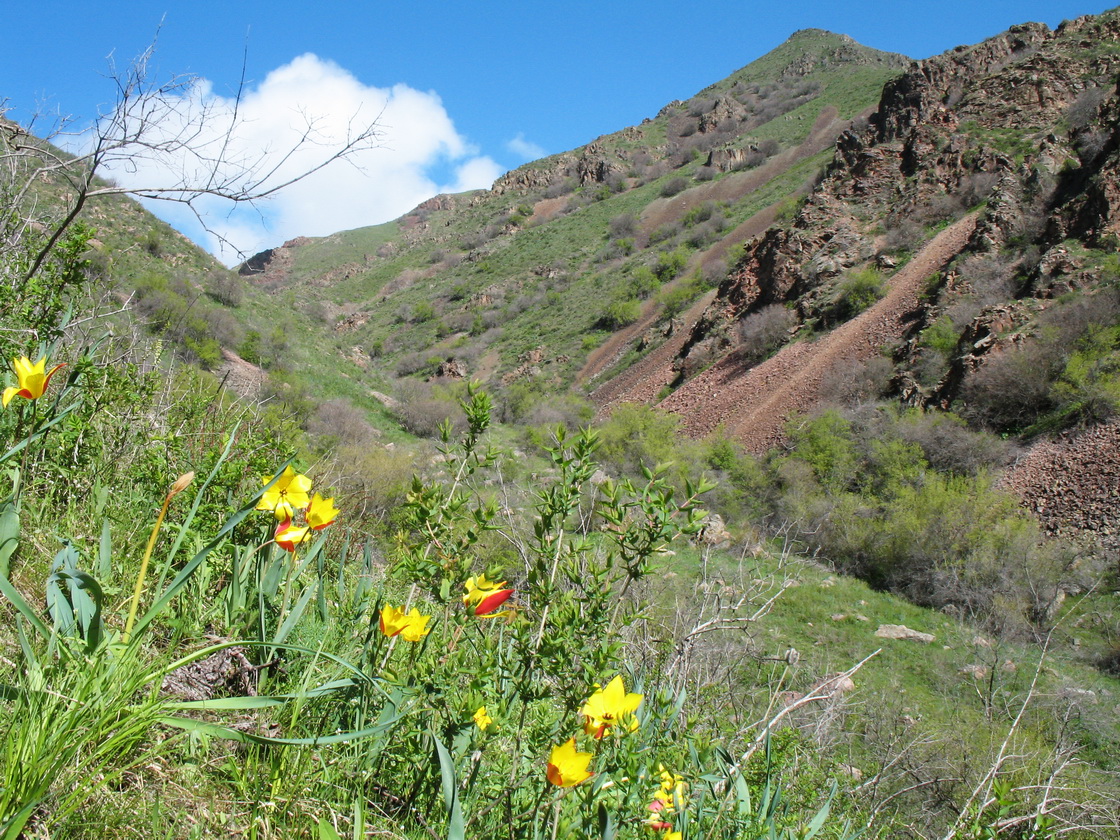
469	90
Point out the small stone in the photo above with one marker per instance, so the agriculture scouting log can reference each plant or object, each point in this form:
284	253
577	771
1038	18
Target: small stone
902	632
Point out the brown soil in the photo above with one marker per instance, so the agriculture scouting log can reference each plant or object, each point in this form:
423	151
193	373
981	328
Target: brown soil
753	404
642	382
243	378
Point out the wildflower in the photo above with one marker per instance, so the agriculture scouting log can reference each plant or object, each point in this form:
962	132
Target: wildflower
289	536
288	494
672	790
567	767
608	706
486	596
478	588
668	798
487	606
33	379
412	627
321	513
481	719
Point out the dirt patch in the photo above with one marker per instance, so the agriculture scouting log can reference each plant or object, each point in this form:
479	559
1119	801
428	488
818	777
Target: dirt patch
644	381
754	403
243	378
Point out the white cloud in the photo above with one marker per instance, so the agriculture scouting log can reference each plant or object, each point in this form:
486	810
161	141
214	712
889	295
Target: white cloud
317	98
525	149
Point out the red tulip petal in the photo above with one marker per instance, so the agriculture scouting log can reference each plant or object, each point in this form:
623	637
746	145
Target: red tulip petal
492	601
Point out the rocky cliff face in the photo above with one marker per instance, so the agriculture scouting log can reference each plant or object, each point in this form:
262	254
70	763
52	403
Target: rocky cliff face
1025	122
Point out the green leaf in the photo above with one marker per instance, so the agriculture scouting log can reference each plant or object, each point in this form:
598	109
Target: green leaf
607	827
9	534
12	829
822	815
105	552
294	616
456	830
219	731
17	601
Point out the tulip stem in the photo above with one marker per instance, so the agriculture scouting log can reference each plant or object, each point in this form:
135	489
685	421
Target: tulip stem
555	817
144	570
180	484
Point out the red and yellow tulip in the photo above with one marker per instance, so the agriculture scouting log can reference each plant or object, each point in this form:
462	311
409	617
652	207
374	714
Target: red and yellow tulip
567	767
485	596
608	707
33	379
411	627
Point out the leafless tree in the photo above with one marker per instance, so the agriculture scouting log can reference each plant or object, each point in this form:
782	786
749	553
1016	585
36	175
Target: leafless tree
165	125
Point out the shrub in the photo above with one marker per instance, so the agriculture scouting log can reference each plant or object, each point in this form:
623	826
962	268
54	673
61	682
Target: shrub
1069	368
764	331
620	314
643	282
1011	389
950	446
225	287
851	382
423	408
712	273
870	504
422	312
1085	109
678	298
673	187
991	277
623	225
636	436
856	292
337	423
670	263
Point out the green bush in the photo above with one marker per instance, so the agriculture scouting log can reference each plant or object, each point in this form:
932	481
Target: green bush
620	314
870	503
856	292
670	264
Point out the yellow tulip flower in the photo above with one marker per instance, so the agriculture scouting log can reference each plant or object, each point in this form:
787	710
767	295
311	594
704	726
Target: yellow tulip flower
321	513
567	767
412	627
609	706
481	719
287	494
33	379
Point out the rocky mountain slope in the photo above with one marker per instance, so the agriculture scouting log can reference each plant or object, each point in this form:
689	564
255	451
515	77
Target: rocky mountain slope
1018	138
